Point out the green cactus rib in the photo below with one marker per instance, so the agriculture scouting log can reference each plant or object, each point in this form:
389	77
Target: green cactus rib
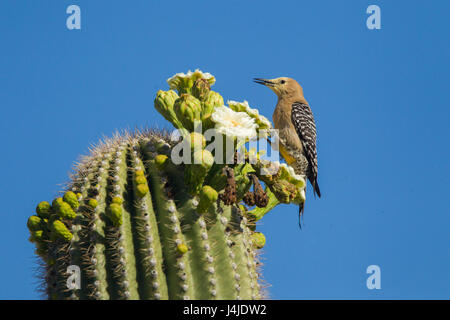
94	272
227	282
194	230
148	247
243	253
79	183
179	275
200	259
118	235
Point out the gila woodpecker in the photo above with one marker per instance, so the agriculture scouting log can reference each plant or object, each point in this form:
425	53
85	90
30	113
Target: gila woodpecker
294	121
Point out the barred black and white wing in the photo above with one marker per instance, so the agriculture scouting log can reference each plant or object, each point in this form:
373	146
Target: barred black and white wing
304	124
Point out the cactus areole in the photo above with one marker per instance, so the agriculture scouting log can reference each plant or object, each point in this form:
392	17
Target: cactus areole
136	223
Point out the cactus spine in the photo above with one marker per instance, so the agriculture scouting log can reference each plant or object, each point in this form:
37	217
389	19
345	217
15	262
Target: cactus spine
139	225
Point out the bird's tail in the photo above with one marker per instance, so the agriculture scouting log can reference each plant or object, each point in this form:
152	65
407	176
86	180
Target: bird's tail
301	208
315	185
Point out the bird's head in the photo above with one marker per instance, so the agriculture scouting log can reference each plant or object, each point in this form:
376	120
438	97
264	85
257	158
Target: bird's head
283	86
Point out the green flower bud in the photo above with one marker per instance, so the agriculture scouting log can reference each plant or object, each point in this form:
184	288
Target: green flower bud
259	240
71	199
43	209
213	100
182	248
197	141
203	158
140	180
37	235
164	102
60	231
117	200
141	190
79	196
161	161
56	203
93	203
34	223
139	173
207	197
196	173
188	110
65	211
115	214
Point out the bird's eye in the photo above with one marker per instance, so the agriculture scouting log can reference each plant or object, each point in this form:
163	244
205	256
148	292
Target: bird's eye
282	82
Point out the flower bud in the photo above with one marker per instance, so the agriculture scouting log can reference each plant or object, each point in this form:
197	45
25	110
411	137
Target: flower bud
37	235
92	203
65	211
43	209
203	158
34	223
259	240
72	199
182	248
56	203
141	190
188	110
161	161
60	231
197	141
114	213
207	197
212	101
164	102
117	200
196	173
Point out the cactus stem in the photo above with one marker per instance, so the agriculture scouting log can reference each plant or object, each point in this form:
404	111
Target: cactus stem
200	259
139	234
148	247
217	232
118	234
178	271
92	230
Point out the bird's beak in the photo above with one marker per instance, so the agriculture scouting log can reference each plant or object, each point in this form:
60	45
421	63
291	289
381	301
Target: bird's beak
267	83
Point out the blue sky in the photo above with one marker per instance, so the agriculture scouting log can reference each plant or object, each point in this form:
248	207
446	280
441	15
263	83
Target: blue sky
380	99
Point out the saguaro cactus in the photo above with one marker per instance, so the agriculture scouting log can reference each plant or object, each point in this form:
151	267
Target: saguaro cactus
139	224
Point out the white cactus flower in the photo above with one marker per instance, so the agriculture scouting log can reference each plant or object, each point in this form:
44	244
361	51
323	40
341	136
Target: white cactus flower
234	124
262	122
